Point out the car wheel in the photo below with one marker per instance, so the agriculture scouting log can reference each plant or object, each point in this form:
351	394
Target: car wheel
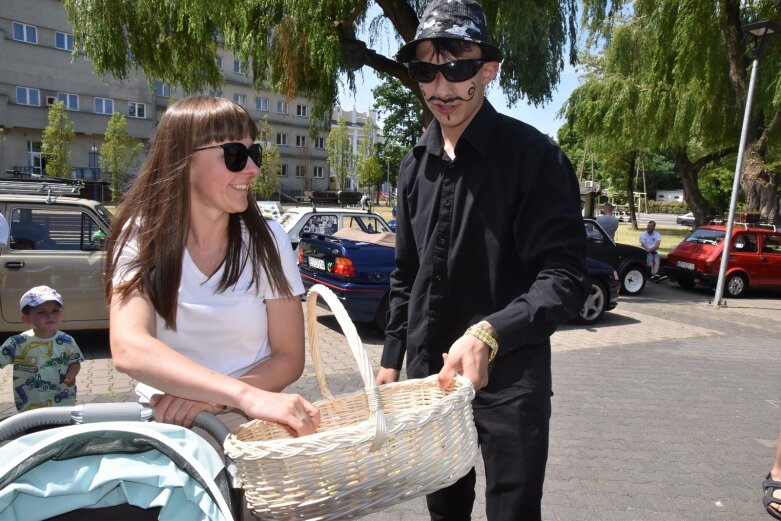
381	318
595	305
632	279
736	285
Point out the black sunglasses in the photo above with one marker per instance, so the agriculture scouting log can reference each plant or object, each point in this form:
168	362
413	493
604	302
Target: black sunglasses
455	71
236	154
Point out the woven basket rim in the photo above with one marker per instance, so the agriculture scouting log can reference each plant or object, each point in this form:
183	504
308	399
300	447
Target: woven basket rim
360	431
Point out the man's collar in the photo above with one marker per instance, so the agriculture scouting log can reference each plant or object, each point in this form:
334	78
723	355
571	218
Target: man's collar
479	133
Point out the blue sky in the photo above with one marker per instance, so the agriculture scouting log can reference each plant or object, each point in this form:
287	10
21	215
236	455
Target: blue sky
542	117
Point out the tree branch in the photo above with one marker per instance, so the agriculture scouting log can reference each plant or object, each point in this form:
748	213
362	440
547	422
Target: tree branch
712	157
761	143
402	16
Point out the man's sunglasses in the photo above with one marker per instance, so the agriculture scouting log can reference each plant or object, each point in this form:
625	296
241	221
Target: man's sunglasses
455	71
236	154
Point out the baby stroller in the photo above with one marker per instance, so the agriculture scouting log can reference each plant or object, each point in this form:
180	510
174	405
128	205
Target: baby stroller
107	461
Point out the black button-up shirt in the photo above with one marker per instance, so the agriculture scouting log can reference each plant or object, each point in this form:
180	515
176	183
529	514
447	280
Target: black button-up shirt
495	234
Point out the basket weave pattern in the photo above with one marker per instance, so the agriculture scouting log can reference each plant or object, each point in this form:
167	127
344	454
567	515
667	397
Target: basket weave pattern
374	448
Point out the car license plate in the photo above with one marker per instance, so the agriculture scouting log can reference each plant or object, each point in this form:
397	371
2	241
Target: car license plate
318	264
685	265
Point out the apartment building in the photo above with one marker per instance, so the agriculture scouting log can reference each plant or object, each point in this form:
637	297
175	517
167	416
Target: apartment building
37	68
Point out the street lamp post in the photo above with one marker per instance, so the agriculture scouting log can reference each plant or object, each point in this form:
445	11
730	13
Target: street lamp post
387	201
759	30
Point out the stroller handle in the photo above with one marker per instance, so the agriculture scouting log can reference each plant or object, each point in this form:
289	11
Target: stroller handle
93	413
87	413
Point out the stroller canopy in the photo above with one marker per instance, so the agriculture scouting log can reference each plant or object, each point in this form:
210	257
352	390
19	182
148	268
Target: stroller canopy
60	470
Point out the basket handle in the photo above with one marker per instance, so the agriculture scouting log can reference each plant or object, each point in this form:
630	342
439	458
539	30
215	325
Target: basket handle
376	411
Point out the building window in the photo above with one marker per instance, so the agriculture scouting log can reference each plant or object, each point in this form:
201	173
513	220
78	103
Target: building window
219	62
302	110
320	142
238	67
281	139
215	93
318	172
28	96
71	100
63	41
300	141
104	106
240	99
162	89
25	33
136	110
300	171
283	171
261	104
282	107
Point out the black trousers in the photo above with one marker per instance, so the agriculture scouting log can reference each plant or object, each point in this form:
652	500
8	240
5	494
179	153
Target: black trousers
513	437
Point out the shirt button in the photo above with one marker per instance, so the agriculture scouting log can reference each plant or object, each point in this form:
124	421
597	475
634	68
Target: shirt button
438	278
442	241
446	204
451	165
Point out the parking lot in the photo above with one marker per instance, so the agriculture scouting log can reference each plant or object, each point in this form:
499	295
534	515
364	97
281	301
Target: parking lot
668	409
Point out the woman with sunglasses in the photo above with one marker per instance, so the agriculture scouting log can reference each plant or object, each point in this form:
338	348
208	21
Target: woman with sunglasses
204	293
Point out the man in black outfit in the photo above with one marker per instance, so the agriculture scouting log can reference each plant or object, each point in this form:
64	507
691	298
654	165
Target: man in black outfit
490	250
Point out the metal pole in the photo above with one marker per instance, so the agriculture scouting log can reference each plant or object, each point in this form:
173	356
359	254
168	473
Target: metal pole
387	201
717	300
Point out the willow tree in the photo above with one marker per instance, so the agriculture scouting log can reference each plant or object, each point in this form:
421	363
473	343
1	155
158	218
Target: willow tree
694	83
56	141
304	47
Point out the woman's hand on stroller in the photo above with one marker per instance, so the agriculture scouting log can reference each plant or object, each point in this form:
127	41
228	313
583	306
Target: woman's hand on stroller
179	411
291	411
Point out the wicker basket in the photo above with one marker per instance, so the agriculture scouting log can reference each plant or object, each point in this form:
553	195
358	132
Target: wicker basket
374	448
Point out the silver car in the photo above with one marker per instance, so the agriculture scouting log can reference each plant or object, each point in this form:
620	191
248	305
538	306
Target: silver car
327	220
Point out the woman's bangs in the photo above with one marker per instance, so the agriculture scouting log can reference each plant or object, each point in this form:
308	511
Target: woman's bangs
221	121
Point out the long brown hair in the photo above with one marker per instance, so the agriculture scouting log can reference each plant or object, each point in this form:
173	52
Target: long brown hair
156	210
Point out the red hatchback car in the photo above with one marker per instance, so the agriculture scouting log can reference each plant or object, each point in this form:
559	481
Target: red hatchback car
754	260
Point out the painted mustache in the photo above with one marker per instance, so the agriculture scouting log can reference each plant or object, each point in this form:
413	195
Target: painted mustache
446	100
472	90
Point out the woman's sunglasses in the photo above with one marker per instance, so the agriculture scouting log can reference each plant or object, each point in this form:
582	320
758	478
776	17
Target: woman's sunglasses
455	71
236	154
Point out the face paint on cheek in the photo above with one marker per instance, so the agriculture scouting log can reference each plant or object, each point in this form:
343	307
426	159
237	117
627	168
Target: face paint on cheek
423	91
471	92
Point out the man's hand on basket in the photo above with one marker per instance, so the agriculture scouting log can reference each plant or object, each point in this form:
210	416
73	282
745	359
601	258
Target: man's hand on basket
387	376
468	356
179	411
291	411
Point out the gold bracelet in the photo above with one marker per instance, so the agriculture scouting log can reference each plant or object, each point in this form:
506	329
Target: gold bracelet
486	338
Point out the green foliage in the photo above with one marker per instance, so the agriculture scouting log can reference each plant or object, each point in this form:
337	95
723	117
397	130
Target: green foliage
304	47
364	167
715	184
266	183
372	172
56	141
340	153
403	112
118	153
671	207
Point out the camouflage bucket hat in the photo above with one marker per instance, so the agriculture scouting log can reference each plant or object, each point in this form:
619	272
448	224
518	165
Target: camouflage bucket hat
453	19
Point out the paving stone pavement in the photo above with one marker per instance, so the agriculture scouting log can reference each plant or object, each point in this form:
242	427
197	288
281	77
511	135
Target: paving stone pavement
667	410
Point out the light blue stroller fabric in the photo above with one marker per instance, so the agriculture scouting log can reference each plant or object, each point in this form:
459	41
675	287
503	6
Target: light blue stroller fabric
63	469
